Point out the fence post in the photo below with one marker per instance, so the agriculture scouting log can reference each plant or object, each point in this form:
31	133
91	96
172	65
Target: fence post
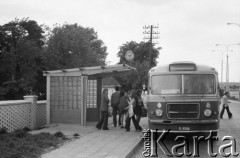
33	110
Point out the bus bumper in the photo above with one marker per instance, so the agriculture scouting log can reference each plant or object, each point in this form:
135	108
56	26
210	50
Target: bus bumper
185	125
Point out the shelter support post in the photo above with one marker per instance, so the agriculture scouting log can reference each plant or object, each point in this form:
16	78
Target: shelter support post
99	93
84	92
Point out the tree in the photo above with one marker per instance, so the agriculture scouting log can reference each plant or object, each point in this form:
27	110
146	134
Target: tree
140	62
141	52
21	57
72	46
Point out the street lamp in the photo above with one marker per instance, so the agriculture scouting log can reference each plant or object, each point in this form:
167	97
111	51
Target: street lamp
221	63
227	65
233	24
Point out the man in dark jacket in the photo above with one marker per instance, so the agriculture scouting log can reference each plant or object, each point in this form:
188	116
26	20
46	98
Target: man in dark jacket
123	104
115	99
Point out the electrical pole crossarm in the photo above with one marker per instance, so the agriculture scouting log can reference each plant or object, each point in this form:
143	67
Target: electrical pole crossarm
151	32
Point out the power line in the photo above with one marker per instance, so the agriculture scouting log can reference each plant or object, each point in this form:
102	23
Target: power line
151	35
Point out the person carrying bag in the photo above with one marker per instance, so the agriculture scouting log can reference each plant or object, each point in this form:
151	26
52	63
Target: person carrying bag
130	114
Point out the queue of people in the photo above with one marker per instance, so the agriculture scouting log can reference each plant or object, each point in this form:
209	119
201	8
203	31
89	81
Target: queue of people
128	105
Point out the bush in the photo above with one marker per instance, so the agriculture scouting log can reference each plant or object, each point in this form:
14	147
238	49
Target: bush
13	90
20	133
76	135
59	135
26	129
3	130
20	144
233	98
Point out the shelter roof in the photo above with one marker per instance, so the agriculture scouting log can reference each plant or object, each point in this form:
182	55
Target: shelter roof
110	81
92	72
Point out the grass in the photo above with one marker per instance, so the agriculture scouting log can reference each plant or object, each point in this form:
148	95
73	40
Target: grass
21	144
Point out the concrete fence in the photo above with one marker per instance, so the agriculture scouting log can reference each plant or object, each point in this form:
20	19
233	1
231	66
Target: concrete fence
17	114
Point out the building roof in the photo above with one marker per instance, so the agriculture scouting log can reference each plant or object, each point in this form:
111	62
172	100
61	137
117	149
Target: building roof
230	86
92	72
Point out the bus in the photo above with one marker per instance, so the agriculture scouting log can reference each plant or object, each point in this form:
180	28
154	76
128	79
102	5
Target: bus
183	97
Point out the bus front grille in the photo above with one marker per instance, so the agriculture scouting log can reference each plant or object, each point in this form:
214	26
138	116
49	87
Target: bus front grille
183	110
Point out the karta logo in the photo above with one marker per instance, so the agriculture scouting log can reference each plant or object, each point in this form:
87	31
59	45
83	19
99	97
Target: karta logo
151	142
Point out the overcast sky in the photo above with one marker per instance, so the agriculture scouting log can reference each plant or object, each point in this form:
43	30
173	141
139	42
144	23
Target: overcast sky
189	29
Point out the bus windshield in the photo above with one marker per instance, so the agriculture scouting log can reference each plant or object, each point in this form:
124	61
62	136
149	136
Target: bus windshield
166	84
193	84
199	84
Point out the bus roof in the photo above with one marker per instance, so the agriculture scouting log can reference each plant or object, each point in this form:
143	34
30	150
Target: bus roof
182	66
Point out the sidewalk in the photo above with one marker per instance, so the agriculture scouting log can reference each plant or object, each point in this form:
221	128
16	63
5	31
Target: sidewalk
113	143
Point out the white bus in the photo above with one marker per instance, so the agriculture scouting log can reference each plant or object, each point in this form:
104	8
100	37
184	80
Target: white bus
183	97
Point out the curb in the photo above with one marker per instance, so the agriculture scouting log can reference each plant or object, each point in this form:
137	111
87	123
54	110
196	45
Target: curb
130	154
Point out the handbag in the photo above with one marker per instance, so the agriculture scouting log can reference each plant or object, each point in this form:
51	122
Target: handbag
130	111
144	112
109	111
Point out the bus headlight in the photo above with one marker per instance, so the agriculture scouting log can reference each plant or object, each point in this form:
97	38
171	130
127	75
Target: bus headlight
207	112
159	112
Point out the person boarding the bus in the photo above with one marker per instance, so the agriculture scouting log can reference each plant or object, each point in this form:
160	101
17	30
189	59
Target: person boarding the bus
115	99
225	105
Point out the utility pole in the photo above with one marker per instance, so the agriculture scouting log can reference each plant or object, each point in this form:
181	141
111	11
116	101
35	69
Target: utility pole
227	64
151	36
221	63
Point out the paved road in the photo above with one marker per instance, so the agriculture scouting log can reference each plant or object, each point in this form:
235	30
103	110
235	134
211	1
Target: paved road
228	127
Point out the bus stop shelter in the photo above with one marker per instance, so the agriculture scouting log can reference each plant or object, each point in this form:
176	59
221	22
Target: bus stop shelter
74	95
